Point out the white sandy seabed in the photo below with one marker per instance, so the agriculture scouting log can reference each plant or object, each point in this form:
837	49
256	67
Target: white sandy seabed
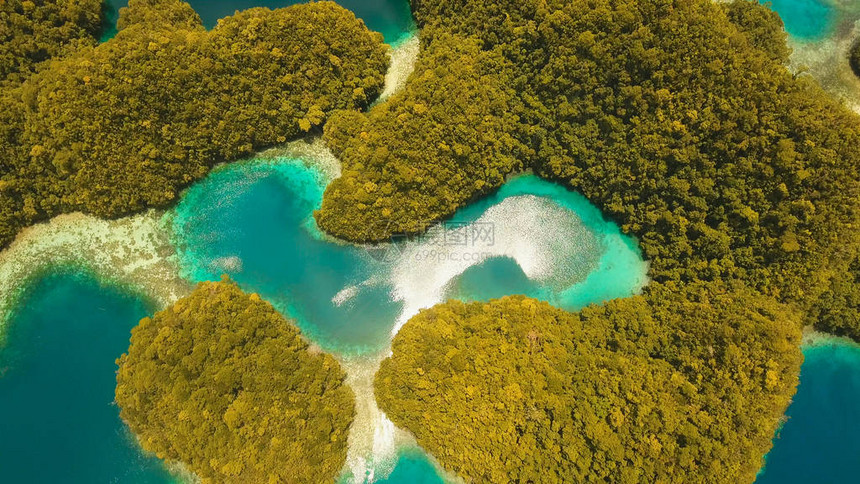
522	225
826	59
133	251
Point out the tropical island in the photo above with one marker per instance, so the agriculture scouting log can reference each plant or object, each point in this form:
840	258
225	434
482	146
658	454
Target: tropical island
224	384
729	169
681	121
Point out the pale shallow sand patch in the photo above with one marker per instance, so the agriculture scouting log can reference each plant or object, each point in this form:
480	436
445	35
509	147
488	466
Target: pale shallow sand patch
181	473
826	59
344	295
403	55
312	151
813	338
549	242
373	439
133	251
374	443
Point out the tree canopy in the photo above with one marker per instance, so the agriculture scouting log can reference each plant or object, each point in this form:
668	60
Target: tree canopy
677	118
687	389
32	31
681	122
124	125
221	382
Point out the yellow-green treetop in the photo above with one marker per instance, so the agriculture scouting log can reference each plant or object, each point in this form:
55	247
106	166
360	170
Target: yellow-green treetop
118	127
223	383
679	386
678	118
32	31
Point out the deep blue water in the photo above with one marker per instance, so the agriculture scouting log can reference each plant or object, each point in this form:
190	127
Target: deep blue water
58	423
393	18
806	19
820	442
253	220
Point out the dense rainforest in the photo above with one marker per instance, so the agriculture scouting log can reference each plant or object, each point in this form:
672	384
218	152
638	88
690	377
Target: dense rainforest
113	128
689	388
681	121
223	383
678	118
32	31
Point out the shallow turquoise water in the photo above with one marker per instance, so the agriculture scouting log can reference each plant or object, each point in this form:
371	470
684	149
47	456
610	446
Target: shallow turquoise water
413	468
820	442
805	19
58	423
253	220
393	18
617	269
495	278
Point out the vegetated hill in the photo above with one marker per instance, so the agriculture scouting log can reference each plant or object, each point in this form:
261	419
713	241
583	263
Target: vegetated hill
118	127
223	383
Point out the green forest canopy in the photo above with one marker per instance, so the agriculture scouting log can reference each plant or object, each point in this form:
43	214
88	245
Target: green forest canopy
32	31
678	386
124	125
678	118
221	382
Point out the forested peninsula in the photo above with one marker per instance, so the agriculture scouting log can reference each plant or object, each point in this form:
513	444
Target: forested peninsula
223	383
680	120
114	128
676	386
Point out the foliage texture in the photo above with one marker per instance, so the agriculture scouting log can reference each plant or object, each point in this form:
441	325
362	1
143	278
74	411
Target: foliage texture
32	31
223	383
122	126
689	389
678	118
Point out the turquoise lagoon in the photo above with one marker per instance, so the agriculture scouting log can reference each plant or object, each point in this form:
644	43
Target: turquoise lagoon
253	220
806	19
393	18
